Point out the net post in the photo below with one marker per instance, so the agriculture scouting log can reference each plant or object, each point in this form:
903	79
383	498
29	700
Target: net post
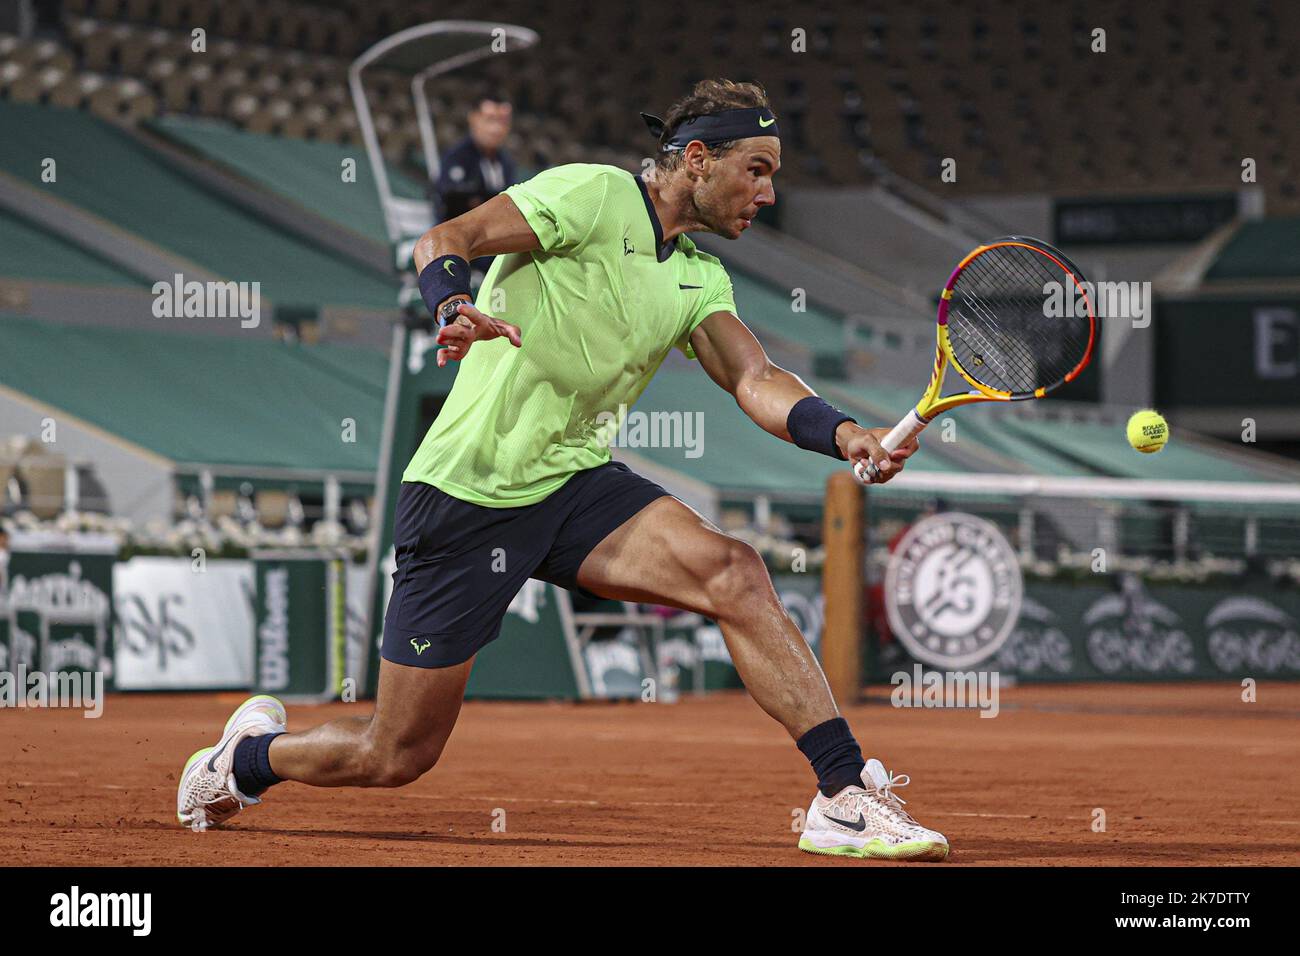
843	583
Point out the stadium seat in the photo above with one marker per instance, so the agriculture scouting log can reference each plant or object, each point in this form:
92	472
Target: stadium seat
32	86
8	479
123	101
42	477
224	503
107	9
73	91
272	508
178	83
891	98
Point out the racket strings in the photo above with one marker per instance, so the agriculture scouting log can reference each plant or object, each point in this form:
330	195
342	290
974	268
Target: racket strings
1001	329
1016	291
1010	358
1035	270
987	326
981	349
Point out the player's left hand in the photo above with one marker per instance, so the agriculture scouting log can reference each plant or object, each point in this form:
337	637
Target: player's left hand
857	443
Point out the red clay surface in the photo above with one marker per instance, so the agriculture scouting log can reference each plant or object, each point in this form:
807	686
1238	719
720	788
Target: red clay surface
1186	774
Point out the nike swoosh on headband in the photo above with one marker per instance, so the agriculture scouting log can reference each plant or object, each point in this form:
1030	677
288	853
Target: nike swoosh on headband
712	128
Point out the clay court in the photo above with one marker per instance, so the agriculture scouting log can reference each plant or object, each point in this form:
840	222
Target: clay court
1187	774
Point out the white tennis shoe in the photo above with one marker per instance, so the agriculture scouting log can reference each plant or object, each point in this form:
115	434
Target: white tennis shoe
206	795
870	822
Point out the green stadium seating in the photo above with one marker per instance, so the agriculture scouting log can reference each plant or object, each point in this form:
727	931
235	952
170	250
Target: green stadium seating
106	172
767	311
205	399
305	171
33	254
1093	448
1269	249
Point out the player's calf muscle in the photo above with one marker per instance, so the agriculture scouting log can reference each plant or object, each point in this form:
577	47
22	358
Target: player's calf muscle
415	713
350	753
773	657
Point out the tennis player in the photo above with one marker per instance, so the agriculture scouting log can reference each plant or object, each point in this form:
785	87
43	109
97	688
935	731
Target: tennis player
595	281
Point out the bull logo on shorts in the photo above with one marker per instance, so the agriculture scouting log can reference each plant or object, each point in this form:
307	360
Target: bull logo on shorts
420	646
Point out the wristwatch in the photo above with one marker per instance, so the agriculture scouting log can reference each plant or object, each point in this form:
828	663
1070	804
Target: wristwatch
447	312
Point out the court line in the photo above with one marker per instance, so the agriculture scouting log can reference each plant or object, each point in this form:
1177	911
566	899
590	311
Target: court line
1122	710
644	803
585	803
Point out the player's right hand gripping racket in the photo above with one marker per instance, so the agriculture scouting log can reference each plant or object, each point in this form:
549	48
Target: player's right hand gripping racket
1015	321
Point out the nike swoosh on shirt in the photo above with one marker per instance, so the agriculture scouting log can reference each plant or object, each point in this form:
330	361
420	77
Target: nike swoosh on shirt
680	286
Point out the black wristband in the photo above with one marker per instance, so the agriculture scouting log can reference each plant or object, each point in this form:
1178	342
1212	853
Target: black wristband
812	423
442	278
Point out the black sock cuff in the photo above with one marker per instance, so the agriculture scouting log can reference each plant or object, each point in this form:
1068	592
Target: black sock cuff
252	765
824	738
834	754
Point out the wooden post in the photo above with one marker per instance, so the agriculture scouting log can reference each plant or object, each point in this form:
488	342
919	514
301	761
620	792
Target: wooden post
843	585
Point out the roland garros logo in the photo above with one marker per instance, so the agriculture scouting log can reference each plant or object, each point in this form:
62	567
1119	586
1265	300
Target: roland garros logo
953	590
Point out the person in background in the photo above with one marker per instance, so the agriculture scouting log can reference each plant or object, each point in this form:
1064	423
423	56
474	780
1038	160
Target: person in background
478	167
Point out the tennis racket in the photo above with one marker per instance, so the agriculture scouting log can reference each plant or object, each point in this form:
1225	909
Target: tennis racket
1015	322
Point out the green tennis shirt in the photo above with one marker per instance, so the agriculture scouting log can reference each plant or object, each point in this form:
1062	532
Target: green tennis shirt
599	305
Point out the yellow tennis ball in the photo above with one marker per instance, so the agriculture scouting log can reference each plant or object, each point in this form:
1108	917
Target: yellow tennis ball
1147	431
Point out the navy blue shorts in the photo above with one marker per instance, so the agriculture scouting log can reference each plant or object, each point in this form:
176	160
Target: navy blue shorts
459	565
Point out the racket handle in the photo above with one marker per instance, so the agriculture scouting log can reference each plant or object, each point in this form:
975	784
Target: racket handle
911	425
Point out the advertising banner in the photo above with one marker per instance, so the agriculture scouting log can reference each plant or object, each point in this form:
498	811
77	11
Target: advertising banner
300	630
956	601
182	625
56	605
